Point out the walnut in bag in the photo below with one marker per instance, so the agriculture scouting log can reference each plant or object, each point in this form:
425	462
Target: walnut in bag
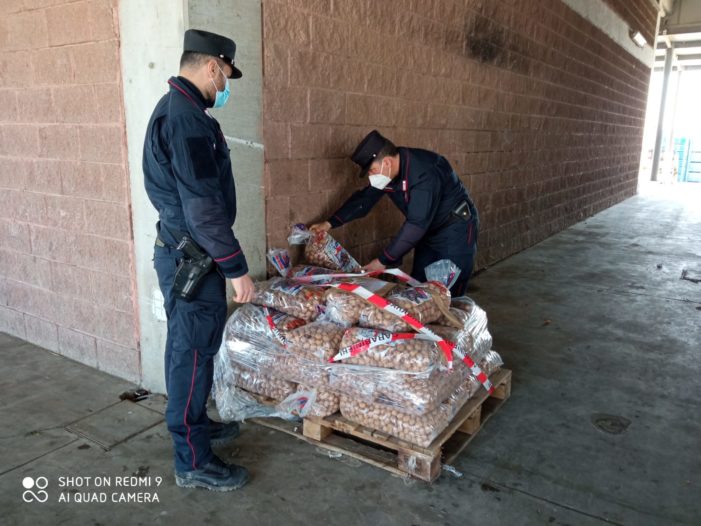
294	368
317	341
323	250
424	303
343	307
416	429
419	429
291	297
376	348
255	382
326	403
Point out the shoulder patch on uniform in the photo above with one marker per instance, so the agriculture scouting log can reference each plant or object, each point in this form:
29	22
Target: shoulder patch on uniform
201	152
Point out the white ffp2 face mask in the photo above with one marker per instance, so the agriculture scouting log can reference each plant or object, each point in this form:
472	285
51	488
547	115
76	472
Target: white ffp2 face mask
379	181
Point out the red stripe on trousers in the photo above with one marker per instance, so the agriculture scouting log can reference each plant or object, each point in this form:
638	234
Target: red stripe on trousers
187	407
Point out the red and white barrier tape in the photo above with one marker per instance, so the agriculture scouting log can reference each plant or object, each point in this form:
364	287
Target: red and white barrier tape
447	347
382	338
402	276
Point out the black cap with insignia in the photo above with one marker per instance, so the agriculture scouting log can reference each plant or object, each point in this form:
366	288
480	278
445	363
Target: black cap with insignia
199	41
367	151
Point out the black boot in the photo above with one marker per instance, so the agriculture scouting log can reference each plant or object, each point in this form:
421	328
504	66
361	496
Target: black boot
215	476
221	434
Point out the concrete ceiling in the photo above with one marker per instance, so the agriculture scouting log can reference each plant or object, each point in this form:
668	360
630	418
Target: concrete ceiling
680	31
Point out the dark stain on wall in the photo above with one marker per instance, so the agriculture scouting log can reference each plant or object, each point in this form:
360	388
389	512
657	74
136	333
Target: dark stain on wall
484	39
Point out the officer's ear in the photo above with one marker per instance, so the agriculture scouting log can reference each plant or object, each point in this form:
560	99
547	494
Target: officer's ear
212	68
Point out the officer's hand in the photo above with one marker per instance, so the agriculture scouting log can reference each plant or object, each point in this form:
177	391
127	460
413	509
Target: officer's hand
320	227
244	290
374	266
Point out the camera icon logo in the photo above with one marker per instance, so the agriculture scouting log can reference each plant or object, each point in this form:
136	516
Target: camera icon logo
30	484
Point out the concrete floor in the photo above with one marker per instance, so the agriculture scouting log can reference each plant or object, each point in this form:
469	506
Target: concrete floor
595	323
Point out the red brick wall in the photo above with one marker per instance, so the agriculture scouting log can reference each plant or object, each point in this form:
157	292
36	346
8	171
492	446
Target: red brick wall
640	15
66	269
539	112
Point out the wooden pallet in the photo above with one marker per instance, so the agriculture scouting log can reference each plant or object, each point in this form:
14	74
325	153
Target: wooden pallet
340	435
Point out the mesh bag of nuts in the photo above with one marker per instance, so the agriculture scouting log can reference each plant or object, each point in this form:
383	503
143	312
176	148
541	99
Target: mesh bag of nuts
376	348
323	250
417	429
294	368
415	394
252	320
291	297
250	342
418	395
325	404
425	303
261	384
318	341
343	307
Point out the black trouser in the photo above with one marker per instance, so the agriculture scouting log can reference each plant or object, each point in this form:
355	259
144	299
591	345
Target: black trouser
195	331
456	242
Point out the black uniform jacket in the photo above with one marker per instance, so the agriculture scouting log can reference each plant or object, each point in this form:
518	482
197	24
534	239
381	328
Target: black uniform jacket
188	176
426	191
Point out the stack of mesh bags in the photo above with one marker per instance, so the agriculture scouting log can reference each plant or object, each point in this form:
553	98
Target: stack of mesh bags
355	357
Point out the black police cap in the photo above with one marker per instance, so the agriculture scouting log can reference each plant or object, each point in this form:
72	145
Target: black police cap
199	41
367	151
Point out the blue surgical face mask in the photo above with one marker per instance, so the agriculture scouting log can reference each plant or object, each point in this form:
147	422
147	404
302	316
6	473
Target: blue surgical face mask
222	96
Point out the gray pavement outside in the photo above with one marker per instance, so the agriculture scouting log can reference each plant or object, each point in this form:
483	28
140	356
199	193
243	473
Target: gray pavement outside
603	425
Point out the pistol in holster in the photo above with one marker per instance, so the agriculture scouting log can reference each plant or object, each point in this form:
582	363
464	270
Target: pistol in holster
192	269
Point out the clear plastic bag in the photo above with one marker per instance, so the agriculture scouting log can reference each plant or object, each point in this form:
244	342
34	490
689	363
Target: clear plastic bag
255	382
444	272
424	303
294	368
471	337
250	342
376	348
253	320
280	259
291	297
472	318
410	393
235	404
343	308
475	346
323	250
319	275
325	404
417	429
415	393
299	235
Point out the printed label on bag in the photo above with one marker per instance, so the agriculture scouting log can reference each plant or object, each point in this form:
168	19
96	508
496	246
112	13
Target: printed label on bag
286	287
339	255
416	296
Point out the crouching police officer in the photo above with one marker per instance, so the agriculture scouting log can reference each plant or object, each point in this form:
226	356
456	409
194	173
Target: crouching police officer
441	220
189	180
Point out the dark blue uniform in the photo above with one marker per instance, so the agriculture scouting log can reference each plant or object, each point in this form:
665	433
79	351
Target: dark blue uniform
426	191
188	178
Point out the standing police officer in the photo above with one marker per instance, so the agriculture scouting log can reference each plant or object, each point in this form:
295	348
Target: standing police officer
441	220
188	178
